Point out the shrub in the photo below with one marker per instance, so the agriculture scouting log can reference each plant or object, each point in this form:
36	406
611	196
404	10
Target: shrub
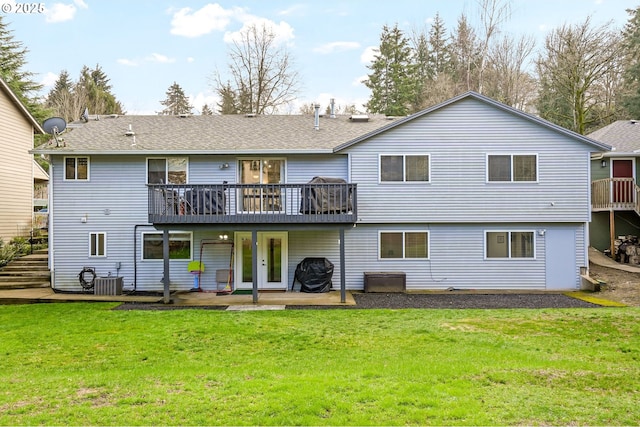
7	253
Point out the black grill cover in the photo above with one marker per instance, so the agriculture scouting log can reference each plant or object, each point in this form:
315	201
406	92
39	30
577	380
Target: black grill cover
327	198
204	201
314	275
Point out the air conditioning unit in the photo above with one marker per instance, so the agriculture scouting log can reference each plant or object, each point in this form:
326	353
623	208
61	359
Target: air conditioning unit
108	286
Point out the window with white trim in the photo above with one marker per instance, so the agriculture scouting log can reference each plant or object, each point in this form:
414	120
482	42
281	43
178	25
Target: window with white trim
512	167
98	244
169	170
404	168
180	245
510	244
403	245
76	168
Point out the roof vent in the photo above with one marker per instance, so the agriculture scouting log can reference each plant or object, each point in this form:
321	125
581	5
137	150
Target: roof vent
183	115
113	116
130	132
359	118
250	115
633	122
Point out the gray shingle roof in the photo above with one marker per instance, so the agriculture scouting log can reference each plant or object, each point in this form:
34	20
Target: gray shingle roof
211	134
623	135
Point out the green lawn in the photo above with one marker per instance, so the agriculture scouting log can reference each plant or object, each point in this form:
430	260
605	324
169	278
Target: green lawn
85	364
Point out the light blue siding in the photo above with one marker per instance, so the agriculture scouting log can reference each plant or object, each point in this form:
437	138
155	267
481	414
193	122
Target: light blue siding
457	257
458	138
457	206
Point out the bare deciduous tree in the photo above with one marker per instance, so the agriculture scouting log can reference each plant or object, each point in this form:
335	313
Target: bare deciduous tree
262	76
507	80
577	63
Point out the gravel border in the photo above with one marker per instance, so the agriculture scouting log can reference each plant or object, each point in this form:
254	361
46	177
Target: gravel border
409	300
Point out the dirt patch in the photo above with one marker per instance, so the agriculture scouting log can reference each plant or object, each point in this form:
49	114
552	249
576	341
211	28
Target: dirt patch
621	286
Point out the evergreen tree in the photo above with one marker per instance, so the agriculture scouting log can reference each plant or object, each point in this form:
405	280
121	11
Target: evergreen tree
422	71
439	52
176	101
464	51
12	63
93	92
392	81
631	45
228	103
206	111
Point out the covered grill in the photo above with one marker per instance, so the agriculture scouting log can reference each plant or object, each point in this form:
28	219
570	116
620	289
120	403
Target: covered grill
331	196
314	275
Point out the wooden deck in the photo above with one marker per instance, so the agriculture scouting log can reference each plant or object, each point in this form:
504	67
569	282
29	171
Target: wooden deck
618	194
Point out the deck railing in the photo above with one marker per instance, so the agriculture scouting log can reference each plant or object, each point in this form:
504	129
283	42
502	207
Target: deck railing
253	203
615	194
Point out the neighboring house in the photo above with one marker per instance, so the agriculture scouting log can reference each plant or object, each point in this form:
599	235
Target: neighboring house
40	196
16	165
468	194
615	194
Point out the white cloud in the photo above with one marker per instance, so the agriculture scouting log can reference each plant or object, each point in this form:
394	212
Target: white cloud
296	9
191	59
162	59
60	12
200	99
49	79
128	62
368	55
212	17
283	31
336	47
81	4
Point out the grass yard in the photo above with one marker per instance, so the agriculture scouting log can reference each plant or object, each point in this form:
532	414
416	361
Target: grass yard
85	364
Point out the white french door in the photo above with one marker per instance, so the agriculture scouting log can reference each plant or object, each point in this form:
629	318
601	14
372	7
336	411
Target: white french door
272	260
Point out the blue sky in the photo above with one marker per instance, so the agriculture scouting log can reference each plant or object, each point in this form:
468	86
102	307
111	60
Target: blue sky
145	45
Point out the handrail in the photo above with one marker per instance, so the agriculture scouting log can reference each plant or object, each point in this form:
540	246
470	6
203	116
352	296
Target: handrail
232	203
615	194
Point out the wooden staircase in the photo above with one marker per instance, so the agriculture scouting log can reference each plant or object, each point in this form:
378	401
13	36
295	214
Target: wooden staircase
27	272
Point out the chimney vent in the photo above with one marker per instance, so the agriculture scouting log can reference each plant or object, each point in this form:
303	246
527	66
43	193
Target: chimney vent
333	108
317	117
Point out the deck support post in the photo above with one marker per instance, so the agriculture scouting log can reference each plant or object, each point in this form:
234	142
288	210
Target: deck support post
612	233
254	265
165	256
343	285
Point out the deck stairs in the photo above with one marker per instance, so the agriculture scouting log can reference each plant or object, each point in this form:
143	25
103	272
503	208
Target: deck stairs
27	272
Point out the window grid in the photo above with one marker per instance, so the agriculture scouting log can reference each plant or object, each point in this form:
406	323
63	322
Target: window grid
403	245
509	244
76	168
180	245
98	244
512	167
404	168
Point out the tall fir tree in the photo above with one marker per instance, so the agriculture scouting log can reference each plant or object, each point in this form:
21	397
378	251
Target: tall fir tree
631	45
392	81
176	101
92	92
228	103
12	70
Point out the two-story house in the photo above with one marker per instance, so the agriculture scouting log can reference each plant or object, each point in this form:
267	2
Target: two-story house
16	165
468	194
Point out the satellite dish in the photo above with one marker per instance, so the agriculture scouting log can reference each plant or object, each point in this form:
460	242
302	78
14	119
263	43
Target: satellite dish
54	126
